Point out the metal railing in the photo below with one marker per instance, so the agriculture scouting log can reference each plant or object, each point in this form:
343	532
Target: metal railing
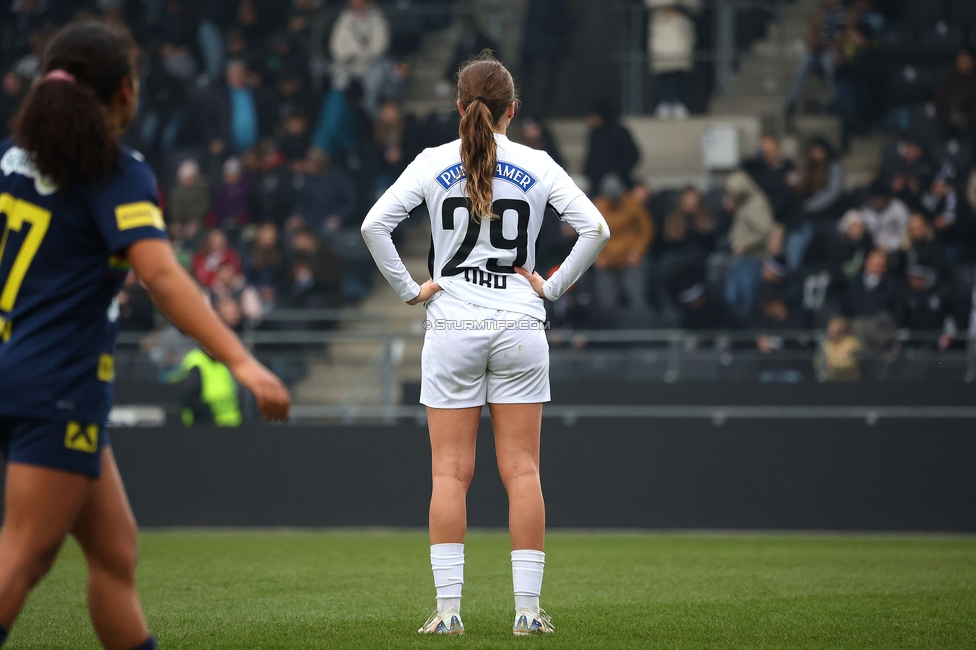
667	356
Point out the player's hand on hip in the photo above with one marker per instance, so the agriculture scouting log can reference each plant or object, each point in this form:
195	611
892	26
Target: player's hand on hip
271	395
427	289
534	279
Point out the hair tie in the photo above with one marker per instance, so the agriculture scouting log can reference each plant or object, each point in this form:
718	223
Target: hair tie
481	99
59	75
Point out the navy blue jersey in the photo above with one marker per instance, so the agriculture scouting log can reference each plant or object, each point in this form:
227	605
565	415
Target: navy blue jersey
62	262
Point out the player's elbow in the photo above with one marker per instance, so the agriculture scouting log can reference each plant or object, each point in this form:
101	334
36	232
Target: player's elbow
602	232
371	229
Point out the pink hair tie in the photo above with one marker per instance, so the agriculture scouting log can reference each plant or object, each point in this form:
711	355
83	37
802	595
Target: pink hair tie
59	75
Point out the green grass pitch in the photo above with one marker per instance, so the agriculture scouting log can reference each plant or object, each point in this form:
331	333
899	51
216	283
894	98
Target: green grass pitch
374	589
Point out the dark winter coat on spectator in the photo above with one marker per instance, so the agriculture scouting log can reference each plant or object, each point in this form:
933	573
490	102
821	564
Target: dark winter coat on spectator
318	197
923	310
776	307
272	196
710	312
547	29
315	281
864	301
955	104
189	204
773	182
611	151
231	204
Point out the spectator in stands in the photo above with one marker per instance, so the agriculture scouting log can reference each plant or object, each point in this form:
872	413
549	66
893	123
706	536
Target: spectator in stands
671	45
885	217
922	247
273	193
545	43
824	31
941	202
234	113
700	308
776	175
820	188
229	283
924	302
325	198
851	248
955	98
688	234
774	307
859	87
821	183
389	135
165	99
264	265
359	41
620	267
341	122
472	42
315	277
752	225
875	291
837	359
216	252
908	171
189	200
537	135
231	202
137	312
292	93
257	19
294	137
611	148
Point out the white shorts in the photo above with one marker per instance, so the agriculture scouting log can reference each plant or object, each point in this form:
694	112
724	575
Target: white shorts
473	355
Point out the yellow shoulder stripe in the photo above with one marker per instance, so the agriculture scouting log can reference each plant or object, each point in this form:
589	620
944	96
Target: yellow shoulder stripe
139	215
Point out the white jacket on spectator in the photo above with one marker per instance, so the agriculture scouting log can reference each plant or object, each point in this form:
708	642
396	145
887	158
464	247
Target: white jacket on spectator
887	227
671	35
359	39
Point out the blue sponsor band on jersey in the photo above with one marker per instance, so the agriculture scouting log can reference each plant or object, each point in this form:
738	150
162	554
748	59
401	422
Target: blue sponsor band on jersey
503	170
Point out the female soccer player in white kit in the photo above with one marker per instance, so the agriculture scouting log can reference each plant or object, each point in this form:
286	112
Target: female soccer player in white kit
486	340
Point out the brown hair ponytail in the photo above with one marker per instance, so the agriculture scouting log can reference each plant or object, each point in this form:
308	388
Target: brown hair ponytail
62	120
485	91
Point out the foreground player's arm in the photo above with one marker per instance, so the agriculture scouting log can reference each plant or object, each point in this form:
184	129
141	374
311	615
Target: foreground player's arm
377	230
593	231
175	293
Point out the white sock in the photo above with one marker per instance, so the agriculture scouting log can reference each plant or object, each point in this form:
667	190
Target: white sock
527	568
447	563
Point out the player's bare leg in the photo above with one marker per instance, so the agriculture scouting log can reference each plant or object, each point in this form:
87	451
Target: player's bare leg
42	506
517	433
106	530
453	434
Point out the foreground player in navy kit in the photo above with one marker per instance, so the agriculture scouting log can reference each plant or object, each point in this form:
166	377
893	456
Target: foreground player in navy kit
486	341
76	211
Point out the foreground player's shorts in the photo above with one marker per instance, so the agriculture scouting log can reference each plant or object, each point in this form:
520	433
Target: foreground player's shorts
69	446
473	355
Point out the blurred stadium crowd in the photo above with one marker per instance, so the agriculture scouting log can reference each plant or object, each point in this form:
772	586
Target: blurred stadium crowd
274	125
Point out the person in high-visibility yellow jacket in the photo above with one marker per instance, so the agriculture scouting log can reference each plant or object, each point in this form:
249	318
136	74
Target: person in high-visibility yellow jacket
210	392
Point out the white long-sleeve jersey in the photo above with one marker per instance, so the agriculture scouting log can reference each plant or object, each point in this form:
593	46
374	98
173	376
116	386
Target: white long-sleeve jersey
474	261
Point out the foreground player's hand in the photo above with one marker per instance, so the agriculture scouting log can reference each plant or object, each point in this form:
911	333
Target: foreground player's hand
427	289
534	279
271	395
